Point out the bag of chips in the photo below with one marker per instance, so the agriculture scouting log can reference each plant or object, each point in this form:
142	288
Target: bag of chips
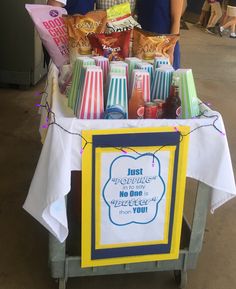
114	46
79	26
52	31
119	18
148	45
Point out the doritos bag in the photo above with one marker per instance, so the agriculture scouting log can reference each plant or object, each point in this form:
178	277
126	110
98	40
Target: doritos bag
114	46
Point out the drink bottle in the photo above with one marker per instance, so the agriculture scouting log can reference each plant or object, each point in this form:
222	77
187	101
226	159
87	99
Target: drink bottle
173	102
136	102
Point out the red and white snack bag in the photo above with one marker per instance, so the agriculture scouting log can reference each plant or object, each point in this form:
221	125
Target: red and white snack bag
114	46
52	30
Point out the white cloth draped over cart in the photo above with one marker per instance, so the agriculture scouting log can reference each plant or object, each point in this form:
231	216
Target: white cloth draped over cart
209	158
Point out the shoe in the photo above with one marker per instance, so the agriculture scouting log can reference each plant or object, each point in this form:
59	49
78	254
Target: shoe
232	35
220	30
210	30
198	24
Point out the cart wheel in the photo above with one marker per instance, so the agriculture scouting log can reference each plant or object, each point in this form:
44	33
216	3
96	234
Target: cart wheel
62	283
180	278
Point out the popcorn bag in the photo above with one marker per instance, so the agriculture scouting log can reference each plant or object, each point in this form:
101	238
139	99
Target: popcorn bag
92	105
188	94
162	81
145	85
65	78
117	93
52	30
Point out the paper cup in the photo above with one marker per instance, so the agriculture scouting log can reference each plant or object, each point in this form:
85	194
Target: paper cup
132	61
188	94
161	84
92	105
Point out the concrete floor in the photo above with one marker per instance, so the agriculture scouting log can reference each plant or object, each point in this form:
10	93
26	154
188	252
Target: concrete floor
23	241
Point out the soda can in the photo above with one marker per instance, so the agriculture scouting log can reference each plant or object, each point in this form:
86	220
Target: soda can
160	104
150	110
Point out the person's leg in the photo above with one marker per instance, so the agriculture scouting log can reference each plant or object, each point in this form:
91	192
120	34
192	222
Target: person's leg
216	14
204	12
230	24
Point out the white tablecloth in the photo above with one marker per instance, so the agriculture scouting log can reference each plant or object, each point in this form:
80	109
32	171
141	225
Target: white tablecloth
209	158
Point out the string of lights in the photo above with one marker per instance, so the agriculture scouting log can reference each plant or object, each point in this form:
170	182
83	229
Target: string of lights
51	120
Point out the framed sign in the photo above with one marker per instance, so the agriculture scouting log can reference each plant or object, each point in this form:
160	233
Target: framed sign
133	184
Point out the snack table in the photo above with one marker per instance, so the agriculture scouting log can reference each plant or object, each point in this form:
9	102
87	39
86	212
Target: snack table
209	161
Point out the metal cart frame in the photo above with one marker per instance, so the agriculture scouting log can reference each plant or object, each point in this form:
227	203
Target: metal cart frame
64	267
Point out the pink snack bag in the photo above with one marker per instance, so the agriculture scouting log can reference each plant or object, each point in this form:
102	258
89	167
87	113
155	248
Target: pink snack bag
52	30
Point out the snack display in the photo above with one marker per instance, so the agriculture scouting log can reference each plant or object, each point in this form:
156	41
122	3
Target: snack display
114	46
148	45
79	26
52	30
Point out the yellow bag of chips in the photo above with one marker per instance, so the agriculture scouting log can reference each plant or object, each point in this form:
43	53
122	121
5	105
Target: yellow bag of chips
79	26
148	45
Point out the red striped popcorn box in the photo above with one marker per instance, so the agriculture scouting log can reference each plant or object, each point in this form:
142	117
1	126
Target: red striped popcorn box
92	102
146	83
103	62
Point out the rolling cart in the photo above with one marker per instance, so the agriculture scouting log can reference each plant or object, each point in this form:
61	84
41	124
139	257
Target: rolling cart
64	266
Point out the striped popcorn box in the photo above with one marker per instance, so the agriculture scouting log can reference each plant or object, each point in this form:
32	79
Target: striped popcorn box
80	62
188	94
159	61
92	103
146	66
117	93
103	62
146	83
132	61
160	88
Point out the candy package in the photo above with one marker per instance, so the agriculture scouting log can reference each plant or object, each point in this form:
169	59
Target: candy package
148	45
114	46
79	26
52	31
